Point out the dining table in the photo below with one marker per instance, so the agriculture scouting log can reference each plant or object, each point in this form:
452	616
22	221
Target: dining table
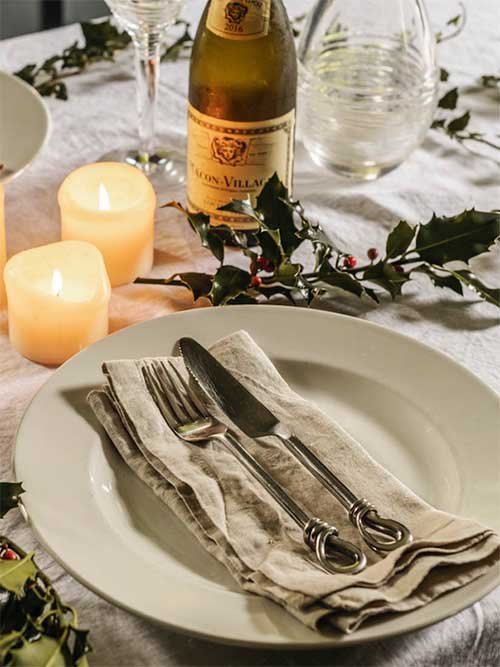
441	176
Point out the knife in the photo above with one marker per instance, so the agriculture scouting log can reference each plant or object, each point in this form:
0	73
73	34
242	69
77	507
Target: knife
257	421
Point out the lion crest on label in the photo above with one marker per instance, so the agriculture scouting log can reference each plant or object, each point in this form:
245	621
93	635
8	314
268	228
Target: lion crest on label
235	12
228	150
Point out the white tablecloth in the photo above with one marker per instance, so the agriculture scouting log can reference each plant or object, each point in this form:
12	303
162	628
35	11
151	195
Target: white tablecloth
440	176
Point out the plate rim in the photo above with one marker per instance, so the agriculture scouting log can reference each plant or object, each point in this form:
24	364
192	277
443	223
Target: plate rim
48	123
490	580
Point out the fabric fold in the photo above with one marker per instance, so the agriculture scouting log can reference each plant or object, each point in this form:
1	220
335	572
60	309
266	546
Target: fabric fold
241	525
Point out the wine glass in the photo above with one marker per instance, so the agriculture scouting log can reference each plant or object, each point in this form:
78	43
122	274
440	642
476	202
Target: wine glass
146	21
368	80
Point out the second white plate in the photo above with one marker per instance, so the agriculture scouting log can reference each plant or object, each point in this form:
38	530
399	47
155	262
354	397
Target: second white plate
424	417
24	125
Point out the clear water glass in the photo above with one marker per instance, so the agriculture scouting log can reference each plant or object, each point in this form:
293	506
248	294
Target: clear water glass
147	21
368	83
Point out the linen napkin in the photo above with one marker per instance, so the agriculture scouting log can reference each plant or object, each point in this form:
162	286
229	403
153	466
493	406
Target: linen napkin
242	526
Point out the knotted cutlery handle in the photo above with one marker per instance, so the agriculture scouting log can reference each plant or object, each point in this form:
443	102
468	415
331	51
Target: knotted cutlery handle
324	539
379	533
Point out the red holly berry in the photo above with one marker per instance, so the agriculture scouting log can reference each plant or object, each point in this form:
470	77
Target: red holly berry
372	254
8	554
350	262
264	264
255	281
398	268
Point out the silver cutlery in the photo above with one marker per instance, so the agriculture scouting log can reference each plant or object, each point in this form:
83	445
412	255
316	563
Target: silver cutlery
256	421
188	418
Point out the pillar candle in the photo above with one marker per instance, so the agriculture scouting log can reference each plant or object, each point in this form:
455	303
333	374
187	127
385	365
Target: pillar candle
112	206
58	297
3	252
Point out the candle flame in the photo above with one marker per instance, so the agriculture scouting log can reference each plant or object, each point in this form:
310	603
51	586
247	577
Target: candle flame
103	198
57	282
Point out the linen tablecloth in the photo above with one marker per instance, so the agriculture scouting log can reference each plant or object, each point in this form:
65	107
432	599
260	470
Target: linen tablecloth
440	176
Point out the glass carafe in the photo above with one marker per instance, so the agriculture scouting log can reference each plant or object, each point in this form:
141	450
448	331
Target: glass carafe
368	83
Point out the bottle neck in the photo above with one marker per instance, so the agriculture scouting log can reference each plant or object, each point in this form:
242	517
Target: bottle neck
239	19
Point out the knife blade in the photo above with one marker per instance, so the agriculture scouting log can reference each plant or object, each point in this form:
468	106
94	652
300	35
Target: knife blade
244	410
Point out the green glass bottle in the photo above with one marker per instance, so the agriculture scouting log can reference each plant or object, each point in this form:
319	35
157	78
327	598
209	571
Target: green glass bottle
242	97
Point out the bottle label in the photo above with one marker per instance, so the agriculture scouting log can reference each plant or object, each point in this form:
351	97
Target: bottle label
230	160
239	19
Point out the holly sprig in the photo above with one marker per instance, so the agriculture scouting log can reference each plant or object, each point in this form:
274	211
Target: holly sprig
456	126
282	230
36	627
101	41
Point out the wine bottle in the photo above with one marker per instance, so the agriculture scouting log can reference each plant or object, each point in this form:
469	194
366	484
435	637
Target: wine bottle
242	97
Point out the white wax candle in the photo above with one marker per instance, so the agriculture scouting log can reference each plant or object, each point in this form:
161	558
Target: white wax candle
3	252
58	297
112	206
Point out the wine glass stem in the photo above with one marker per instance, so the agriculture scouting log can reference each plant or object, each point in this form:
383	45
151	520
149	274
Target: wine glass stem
147	63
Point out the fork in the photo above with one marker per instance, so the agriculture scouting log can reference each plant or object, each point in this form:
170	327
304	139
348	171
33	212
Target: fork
189	419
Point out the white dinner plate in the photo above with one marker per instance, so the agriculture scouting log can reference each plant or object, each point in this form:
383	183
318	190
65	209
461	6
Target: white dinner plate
421	415
24	125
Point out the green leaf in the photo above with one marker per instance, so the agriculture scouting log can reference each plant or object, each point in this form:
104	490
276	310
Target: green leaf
385	275
444	75
229	282
81	646
277	215
287	272
15	573
27	74
399	239
7	640
490	81
455	20
458	237
242	207
9	496
458	124
200	284
449	99
42	652
343	281
104	35
446	281
490	294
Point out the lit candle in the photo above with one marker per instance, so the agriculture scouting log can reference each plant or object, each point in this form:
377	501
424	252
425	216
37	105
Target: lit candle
58	298
112	206
3	252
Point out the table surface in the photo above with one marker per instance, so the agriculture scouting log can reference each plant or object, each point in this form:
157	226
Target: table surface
440	176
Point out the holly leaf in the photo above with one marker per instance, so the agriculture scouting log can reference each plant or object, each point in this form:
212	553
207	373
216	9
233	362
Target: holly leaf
15	573
343	281
9	496
287	272
490	294
399	239
273	205
229	282
242	207
449	99
459	237
458	124
446	281
385	275
27	74
103	35
42	652
81	646
444	75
